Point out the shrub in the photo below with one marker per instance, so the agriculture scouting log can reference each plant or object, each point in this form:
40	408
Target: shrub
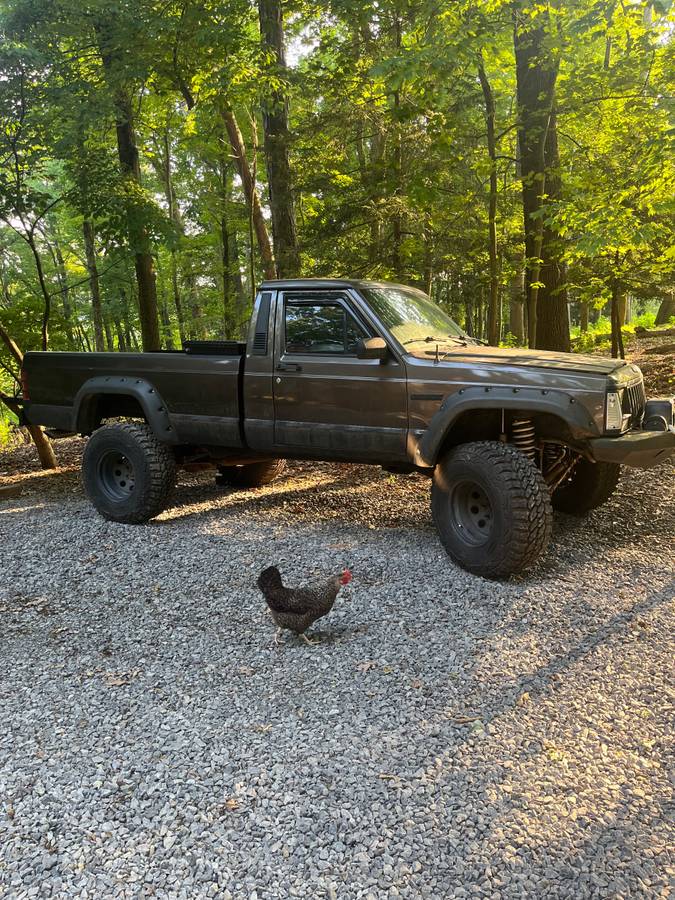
510	340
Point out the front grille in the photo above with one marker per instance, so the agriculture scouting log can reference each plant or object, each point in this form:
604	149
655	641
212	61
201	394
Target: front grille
634	400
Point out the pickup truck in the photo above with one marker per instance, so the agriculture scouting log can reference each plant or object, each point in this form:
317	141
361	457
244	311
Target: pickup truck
361	372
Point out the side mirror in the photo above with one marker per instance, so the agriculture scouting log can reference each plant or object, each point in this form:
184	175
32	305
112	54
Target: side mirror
372	348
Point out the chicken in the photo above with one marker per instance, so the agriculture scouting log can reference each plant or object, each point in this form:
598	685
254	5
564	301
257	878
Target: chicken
296	608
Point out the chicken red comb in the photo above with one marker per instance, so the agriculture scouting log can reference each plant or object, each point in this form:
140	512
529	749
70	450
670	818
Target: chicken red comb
346	577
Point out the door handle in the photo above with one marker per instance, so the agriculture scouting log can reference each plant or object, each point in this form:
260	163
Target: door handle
289	367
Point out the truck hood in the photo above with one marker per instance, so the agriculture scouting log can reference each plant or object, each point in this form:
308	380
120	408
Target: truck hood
539	359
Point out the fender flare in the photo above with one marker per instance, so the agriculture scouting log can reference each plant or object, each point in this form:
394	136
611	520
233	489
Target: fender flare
149	399
533	400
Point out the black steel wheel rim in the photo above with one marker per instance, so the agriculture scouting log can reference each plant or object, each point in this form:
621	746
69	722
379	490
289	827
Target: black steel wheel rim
116	475
471	513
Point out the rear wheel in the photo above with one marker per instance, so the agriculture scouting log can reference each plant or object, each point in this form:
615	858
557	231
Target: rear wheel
251	475
128	474
588	486
492	508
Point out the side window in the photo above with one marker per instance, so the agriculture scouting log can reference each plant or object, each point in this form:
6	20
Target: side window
320	328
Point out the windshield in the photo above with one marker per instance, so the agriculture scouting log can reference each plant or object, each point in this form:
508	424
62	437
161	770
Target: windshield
410	315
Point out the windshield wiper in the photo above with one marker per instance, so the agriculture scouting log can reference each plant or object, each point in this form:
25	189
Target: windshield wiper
424	340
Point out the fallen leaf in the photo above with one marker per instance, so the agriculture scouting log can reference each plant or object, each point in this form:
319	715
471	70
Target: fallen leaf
232	803
366	666
246	670
523	699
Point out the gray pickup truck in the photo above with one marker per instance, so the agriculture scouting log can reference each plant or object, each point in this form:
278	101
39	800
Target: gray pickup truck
362	372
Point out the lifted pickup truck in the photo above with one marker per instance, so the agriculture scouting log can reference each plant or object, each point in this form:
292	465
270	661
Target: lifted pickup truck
362	372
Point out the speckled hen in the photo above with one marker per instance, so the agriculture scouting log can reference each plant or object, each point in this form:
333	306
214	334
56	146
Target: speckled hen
295	609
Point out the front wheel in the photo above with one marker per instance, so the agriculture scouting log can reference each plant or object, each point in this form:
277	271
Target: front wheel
128	474
492	508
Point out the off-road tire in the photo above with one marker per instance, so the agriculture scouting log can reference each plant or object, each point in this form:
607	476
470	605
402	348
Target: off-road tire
152	466
515	507
588	486
251	475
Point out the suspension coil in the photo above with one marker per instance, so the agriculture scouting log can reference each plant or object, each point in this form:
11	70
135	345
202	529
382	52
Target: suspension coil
523	437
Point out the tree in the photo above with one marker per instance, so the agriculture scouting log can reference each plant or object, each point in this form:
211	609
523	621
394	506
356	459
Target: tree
110	43
275	123
537	64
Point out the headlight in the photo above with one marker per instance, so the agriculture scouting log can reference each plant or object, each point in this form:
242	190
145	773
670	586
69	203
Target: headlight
613	412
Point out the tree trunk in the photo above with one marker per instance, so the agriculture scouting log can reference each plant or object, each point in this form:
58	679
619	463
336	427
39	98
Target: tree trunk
479	316
121	339
242	308
536	73
227	279
468	317
112	58
138	237
372	179
553	329
177	302
516	306
42	443
428	257
92	271
276	138
617	336
227	253
62	276
250	192
666	310
46	296
583	316
488	97
109	341
621	308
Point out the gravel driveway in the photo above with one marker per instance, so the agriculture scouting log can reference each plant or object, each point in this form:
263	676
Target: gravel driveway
450	736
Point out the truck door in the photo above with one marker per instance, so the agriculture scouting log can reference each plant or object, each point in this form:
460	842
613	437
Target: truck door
328	402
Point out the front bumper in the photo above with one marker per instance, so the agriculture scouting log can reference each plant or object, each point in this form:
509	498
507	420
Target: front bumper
641	449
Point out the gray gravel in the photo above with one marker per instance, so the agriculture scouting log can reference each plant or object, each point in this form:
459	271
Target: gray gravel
450	737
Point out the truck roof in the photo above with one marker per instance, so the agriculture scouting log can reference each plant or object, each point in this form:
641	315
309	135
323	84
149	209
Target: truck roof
291	283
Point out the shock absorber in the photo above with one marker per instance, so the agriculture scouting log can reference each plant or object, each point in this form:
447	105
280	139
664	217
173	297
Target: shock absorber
523	437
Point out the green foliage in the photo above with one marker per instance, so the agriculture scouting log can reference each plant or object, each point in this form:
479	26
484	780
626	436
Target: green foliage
510	340
388	155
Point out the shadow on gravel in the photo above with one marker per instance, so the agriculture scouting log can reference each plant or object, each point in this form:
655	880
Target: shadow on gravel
652	517
630	826
317	501
544	678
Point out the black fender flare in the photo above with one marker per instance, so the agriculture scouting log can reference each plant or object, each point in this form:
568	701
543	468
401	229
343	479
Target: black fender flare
154	409
529	400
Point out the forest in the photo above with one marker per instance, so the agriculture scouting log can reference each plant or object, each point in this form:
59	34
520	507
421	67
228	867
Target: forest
158	159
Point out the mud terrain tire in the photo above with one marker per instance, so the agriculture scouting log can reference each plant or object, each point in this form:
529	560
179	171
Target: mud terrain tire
589	486
492	508
128	475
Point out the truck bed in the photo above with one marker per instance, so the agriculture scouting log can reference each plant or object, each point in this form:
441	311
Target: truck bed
200	387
